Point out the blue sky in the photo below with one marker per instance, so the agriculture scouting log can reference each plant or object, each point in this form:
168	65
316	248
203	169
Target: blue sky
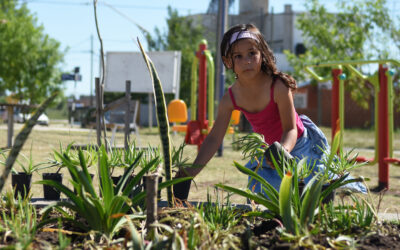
71	22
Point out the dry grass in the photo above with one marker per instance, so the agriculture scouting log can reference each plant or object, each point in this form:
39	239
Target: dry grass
219	170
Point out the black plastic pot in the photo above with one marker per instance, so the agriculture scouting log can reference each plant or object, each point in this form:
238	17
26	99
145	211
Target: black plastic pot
159	181
22	184
181	190
49	192
115	179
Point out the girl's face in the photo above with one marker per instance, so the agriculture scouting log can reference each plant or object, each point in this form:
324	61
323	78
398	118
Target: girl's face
245	58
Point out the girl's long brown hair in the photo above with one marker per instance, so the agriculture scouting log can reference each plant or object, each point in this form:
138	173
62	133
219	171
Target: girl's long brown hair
268	64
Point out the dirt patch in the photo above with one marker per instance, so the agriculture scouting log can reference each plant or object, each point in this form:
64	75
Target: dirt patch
253	232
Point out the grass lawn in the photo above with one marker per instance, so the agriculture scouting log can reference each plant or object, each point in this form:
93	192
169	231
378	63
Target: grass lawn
44	140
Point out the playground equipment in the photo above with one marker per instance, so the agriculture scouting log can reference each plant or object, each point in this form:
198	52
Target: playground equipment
177	113
383	86
201	103
197	128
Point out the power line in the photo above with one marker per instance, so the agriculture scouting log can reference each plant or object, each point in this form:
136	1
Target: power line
80	43
143	7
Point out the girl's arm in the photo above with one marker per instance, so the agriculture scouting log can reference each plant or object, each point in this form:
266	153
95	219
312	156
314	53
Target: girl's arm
213	139
284	98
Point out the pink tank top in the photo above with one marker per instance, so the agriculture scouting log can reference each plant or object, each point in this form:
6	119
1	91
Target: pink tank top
267	122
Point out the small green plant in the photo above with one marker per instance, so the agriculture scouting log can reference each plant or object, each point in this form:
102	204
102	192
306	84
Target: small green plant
130	154
338	162
63	241
218	216
27	165
89	154
178	160
149	154
252	146
20	222
343	218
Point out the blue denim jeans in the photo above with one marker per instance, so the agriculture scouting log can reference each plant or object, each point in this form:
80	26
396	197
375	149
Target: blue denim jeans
311	144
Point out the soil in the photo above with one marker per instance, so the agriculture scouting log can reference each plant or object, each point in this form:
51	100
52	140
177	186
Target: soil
385	235
254	233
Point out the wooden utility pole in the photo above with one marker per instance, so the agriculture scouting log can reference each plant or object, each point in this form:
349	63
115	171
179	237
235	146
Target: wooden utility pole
220	76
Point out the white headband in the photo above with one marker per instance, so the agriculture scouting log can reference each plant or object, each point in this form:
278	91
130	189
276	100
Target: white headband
241	35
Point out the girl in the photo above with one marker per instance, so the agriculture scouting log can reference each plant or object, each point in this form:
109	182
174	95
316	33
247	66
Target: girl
264	95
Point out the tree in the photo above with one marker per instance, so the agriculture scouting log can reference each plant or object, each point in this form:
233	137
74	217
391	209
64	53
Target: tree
183	35
28	57
360	31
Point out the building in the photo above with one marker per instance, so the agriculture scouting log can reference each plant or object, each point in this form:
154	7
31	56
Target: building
315	102
279	29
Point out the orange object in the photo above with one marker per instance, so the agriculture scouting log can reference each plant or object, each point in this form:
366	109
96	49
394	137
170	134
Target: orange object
177	111
235	118
179	128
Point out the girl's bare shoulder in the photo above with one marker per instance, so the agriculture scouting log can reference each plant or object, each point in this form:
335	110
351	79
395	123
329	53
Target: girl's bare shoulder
226	101
280	87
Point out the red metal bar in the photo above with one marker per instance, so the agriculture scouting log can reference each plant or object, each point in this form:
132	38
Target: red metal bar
392	161
335	124
202	100
383	126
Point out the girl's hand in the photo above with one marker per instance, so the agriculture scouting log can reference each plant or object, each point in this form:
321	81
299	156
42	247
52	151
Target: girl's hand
277	152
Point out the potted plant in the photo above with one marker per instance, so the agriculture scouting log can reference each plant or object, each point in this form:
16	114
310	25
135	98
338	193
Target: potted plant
49	193
21	180
181	190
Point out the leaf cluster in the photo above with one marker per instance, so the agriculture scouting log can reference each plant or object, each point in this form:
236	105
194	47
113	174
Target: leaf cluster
359	30
29	58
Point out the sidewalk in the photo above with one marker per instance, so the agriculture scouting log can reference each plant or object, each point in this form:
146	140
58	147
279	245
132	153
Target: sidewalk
389	217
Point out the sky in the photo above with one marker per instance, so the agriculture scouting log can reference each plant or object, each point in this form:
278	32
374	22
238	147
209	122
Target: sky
72	23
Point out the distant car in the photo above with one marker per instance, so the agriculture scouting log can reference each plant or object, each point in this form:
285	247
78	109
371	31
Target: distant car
42	120
21	118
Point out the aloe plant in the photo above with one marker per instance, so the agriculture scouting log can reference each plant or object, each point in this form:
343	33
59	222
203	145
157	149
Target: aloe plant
148	155
89	155
102	212
28	166
295	210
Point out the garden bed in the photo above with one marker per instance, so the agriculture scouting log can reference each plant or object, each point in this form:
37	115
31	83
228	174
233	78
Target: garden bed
248	233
